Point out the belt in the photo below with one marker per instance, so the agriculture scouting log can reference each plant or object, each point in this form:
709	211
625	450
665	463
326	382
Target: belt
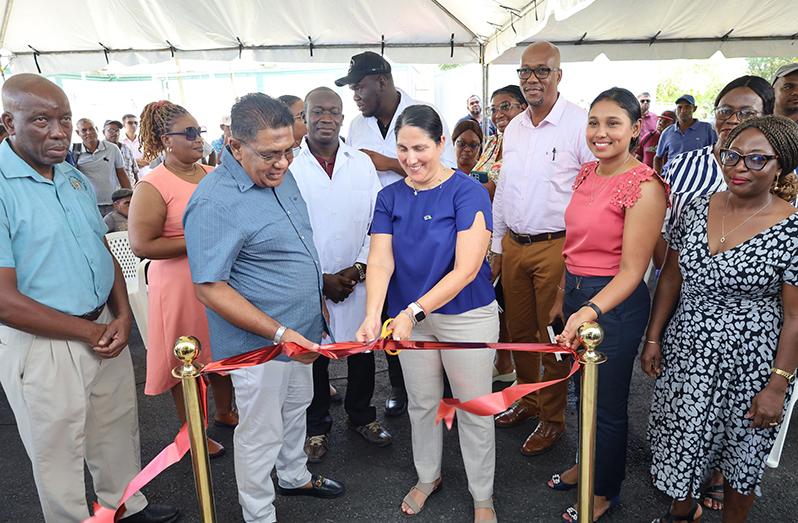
93	315
526	239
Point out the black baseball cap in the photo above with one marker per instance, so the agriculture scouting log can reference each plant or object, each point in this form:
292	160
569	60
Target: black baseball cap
362	65
115	122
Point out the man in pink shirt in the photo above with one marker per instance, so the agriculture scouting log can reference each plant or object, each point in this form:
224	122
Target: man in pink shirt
649	128
544	148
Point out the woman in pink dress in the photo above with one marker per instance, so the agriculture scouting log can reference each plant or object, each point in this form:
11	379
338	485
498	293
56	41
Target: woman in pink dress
156	232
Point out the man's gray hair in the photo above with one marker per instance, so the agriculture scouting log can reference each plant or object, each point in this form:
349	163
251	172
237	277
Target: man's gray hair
256	112
84	120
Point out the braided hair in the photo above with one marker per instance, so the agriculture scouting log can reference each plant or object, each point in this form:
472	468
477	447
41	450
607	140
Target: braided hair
782	133
156	118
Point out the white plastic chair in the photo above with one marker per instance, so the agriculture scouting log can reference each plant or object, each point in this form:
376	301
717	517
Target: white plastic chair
133	269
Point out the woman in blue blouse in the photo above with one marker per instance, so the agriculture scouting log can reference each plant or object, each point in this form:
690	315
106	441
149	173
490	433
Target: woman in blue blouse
428	241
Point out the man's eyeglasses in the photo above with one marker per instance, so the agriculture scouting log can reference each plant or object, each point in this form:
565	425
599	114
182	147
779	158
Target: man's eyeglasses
131	122
472	146
190	133
272	158
723	113
541	73
754	161
645	101
503	107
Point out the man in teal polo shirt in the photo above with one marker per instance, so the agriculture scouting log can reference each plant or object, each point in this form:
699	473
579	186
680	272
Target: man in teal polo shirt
64	317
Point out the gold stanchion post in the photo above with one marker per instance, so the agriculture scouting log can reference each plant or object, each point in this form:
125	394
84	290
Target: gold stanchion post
590	334
186	349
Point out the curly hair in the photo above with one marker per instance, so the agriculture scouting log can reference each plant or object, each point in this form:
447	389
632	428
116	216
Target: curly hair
782	133
156	118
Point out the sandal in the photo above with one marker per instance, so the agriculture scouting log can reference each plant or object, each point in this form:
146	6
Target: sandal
429	489
673	518
488	503
714	493
227	421
557	483
572	515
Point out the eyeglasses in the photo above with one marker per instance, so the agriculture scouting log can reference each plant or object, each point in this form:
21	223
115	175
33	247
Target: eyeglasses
300	115
335	113
541	73
503	107
754	161
190	133
472	146
131	122
644	101
272	158
725	112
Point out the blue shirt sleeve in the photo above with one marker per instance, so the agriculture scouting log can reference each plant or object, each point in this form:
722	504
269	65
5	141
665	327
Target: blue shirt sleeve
470	200
6	251
212	241
382	223
662	145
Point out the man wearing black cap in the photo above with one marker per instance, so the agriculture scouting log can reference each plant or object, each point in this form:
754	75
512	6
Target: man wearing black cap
688	134
111	131
379	103
372	131
785	83
116	220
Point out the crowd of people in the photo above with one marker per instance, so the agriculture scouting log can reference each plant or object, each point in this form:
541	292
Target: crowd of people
538	218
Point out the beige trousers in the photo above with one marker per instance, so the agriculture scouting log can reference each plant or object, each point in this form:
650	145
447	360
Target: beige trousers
470	373
71	405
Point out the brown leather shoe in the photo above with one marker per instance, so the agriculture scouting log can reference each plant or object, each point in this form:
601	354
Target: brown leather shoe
543	439
373	432
316	448
515	415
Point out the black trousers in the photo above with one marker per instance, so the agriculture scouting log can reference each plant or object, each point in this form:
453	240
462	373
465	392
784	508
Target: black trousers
357	402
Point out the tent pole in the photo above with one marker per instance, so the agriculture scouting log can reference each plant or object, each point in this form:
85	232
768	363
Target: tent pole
485	101
9	5
180	83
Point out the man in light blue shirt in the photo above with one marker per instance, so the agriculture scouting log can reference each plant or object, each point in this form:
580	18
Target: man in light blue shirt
686	135
64	317
256	270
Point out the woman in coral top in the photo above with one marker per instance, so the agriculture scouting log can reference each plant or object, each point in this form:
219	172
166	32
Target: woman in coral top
156	232
612	225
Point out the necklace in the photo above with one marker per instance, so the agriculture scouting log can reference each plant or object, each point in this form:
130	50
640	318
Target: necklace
593	198
723	221
184	173
440	182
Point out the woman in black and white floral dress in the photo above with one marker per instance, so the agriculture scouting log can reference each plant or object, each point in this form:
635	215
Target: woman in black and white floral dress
727	357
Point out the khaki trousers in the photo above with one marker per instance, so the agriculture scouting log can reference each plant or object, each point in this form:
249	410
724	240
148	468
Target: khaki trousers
530	275
71	405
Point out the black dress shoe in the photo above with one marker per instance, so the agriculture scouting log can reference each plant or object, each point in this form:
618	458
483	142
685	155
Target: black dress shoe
154	514
319	488
396	404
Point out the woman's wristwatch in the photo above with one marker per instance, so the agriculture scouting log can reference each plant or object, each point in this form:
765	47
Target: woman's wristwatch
417	311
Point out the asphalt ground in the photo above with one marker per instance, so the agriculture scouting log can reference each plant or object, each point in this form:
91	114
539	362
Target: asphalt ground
376	479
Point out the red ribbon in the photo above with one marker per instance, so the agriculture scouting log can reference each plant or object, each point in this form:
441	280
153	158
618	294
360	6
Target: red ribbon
483	406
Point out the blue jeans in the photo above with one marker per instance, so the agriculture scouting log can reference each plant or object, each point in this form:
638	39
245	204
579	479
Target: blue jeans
624	327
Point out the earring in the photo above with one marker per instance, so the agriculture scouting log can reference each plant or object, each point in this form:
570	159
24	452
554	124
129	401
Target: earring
169	149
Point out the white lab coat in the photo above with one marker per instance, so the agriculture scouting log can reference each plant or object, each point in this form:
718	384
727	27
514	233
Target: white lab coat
341	210
364	133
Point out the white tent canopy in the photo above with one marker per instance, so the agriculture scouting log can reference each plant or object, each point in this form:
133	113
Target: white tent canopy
62	36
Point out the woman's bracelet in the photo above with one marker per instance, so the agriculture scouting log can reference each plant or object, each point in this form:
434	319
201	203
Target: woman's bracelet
592	306
410	315
783	373
652	341
560	288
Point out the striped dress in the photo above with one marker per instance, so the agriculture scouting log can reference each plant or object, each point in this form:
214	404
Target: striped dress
690	175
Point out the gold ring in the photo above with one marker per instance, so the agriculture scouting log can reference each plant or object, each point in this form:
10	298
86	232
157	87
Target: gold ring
774	423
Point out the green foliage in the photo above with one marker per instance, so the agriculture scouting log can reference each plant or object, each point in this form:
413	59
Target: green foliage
447	67
767	67
702	79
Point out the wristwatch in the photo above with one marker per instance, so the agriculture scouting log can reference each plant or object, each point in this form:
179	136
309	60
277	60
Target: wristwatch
361	270
418	311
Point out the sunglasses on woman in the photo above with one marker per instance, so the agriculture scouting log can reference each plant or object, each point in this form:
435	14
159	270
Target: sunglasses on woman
190	133
754	161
